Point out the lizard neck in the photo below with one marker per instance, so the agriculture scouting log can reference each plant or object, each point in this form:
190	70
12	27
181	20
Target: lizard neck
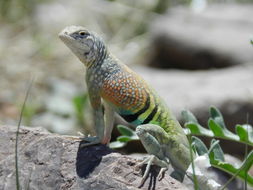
100	55
102	70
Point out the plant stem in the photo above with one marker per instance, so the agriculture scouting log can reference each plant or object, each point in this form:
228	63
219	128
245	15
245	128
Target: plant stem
17	134
193	165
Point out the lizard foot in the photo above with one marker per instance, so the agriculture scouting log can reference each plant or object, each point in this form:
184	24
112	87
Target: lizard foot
89	141
161	173
149	161
152	159
80	137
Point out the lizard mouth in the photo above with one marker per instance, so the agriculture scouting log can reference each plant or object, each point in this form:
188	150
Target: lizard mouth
73	43
64	36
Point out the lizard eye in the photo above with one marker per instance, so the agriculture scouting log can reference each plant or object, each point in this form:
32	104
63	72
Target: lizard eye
82	33
86	53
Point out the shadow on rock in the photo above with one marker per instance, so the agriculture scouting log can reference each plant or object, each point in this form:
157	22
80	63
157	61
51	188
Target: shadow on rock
152	178
88	158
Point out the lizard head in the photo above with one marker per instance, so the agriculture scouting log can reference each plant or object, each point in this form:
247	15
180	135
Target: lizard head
87	46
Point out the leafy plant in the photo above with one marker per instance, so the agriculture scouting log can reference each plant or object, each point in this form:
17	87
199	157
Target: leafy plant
217	129
29	113
80	103
127	135
191	144
217	160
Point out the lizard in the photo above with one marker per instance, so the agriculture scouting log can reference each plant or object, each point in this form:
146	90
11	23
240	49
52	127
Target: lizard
114	88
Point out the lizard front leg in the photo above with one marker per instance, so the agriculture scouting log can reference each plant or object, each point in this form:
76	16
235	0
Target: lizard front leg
109	120
98	116
104	119
152	159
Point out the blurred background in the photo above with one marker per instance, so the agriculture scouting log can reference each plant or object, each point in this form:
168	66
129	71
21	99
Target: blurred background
195	53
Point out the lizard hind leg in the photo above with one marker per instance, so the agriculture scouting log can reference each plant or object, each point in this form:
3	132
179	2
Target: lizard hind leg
161	173
154	146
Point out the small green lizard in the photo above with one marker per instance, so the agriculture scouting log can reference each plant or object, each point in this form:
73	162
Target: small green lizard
126	93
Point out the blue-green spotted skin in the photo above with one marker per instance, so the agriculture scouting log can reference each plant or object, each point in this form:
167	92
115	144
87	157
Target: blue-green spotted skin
125	92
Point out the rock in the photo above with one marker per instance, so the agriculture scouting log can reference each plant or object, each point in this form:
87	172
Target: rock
229	89
217	37
51	161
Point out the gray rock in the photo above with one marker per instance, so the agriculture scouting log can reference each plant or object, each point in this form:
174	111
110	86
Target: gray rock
217	37
51	161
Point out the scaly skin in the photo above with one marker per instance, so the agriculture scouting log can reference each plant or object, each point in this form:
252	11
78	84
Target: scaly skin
126	93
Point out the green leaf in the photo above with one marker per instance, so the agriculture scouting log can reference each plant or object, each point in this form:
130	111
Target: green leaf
192	124
248	162
241	172
217	130
216	151
217	116
117	144
200	147
220	131
188	117
126	131
197	129
124	138
29	112
127	135
245	132
79	103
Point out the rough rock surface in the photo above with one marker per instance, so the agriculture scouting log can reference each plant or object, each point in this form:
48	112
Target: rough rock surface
216	37
51	161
